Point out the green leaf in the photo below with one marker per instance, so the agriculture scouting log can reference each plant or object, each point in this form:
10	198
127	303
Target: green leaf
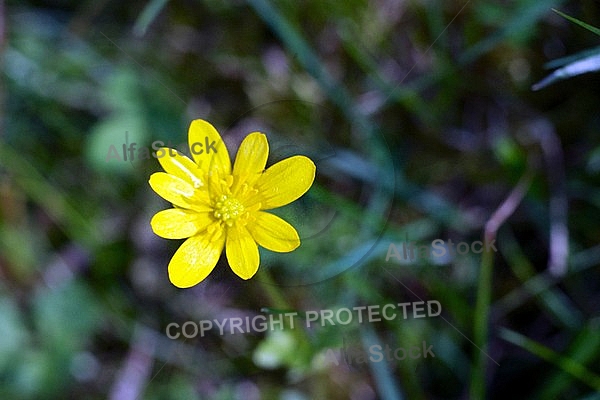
105	146
582	349
578	22
568	365
66	317
149	14
281	349
385	383
13	332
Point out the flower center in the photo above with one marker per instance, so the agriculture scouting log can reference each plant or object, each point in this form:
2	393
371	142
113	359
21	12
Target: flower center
227	209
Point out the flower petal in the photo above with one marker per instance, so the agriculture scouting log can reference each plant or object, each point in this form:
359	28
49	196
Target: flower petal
171	188
178	223
284	182
273	233
250	160
208	149
195	260
242	252
181	166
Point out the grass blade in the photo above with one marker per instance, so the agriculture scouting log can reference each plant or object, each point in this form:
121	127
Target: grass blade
589	27
583	66
567	364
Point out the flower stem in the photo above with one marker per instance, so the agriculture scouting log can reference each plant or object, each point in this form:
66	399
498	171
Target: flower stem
273	292
279	302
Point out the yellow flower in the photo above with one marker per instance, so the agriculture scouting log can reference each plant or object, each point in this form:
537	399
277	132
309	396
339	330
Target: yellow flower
216	207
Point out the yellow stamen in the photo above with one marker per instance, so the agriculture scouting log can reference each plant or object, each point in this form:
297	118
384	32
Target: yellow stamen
228	209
